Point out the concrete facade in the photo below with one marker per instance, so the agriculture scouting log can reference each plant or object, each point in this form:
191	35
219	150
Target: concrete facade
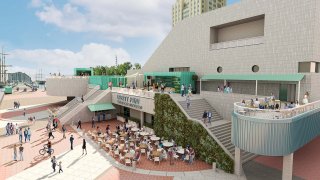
61	86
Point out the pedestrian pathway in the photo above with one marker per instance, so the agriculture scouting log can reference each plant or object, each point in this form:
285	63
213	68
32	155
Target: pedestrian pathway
74	165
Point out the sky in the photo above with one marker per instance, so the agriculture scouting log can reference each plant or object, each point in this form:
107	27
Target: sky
59	35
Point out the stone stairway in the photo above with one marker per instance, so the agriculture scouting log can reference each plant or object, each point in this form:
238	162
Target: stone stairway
223	133
197	107
220	128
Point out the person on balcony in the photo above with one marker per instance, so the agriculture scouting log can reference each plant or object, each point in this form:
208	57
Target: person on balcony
182	90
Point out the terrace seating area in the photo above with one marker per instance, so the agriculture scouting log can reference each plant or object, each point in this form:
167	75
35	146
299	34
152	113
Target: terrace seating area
136	147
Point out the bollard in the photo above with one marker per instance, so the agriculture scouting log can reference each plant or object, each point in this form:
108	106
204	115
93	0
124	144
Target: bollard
214	165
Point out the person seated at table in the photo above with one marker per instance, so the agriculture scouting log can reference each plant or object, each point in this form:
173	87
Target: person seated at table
136	155
163	155
132	151
256	103
186	152
98	130
291	105
243	103
144	141
277	106
296	104
251	103
160	144
286	106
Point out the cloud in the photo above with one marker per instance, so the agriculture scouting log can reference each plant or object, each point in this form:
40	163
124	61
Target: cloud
54	60
112	19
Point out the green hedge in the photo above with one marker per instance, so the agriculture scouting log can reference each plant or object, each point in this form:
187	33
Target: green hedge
171	123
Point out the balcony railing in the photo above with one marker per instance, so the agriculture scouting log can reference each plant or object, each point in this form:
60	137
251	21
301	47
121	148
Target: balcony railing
134	92
269	114
238	43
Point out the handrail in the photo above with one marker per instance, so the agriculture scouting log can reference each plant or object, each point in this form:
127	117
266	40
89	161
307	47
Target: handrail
134	92
67	77
275	113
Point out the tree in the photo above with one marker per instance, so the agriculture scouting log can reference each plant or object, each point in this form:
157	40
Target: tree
137	66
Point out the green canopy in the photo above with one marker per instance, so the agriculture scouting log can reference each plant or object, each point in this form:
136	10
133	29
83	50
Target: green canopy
101	107
254	77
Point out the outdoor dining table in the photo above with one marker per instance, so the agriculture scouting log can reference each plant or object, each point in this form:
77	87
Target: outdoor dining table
180	151
129	156
144	133
111	141
155	138
167	144
128	126
156	153
134	129
123	134
143	146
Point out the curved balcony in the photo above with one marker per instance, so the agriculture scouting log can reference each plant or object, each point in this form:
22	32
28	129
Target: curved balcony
275	132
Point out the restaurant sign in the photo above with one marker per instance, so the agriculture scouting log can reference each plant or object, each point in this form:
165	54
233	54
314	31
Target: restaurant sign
129	101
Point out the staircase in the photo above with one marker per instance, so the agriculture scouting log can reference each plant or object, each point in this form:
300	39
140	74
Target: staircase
223	134
197	107
220	129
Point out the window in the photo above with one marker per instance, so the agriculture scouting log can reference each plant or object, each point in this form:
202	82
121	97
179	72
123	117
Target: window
219	69
255	68
179	69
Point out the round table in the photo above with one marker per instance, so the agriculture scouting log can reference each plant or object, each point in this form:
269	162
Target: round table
156	153
129	156
134	129
167	144
128	126
180	151
144	133
155	138
143	146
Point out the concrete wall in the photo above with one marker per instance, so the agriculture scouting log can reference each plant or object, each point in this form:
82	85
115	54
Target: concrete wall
223	103
60	86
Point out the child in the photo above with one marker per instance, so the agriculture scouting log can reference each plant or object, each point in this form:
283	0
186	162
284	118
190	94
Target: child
60	167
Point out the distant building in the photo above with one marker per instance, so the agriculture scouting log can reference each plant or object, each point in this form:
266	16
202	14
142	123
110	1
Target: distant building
19	77
183	9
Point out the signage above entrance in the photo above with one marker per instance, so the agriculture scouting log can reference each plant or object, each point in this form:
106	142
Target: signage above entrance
129	101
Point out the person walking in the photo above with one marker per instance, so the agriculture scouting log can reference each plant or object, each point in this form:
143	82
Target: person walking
60	167
20	135
29	134
17	128
209	117
204	116
15	152
82	99
49	147
92	123
188	101
182	90
24	112
84	146
50	134
21	152
64	131
71	141
79	124
54	163
25	134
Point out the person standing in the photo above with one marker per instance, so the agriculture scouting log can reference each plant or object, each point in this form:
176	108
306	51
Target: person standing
54	163
24	112
209	117
182	90
64	131
29	134
15	152
17	128
60	167
71	141
188	101
79	124
84	146
25	134
50	134
21	152
20	135
204	116
92	123
82	99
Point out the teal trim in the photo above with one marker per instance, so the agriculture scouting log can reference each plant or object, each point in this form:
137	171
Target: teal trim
272	137
172	79
78	71
254	77
103	81
101	107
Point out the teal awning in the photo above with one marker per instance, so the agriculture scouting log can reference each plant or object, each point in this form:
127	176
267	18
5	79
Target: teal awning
253	77
101	107
176	74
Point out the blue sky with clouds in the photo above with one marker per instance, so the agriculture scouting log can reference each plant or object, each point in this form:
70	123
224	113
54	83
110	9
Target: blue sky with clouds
57	35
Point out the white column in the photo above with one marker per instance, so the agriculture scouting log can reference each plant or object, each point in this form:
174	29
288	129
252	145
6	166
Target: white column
287	167
299	86
200	85
237	161
256	87
141	118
